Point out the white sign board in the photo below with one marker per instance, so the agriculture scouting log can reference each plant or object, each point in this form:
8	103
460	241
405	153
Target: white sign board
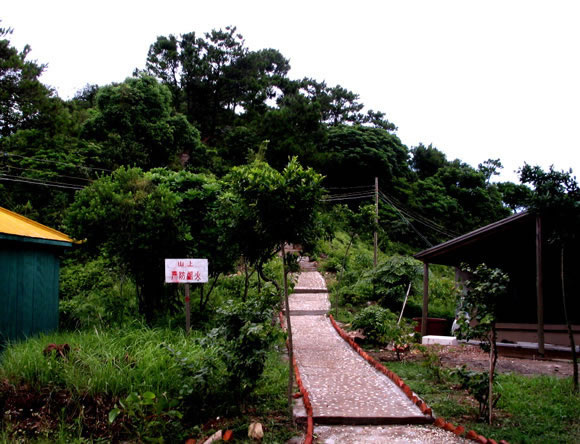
185	271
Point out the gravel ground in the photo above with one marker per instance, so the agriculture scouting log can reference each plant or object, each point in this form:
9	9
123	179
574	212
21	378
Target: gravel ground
398	434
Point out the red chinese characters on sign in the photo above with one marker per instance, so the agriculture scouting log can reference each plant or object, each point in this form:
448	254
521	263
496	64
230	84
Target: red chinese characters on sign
182	271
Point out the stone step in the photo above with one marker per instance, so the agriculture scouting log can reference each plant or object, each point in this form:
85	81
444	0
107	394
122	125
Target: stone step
366	420
310	290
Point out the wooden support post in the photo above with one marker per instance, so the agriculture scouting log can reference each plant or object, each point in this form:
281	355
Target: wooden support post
187	310
539	286
425	299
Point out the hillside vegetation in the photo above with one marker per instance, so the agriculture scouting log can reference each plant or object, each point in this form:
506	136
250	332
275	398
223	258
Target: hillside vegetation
212	151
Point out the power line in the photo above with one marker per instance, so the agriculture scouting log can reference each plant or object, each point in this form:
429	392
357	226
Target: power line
338	199
370	187
411	225
33	179
423	221
418	216
49	172
5	153
5	179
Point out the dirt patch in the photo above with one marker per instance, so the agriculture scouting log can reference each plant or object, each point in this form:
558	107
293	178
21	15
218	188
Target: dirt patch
475	359
32	413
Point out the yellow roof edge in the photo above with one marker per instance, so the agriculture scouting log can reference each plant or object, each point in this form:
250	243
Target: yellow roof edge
37	224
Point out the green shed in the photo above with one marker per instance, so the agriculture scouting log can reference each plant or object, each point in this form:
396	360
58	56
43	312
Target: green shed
29	272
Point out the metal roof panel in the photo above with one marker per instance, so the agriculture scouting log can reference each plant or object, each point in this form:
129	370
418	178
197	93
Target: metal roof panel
17	225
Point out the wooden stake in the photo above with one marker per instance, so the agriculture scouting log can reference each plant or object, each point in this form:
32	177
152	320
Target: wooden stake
290	342
187	310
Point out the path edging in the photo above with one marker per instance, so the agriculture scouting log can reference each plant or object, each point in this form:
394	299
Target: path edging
425	409
303	393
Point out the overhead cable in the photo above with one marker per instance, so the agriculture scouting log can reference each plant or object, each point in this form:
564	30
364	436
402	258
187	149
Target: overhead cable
4	153
3	178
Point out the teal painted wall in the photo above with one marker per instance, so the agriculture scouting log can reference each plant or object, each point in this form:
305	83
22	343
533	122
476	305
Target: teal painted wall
28	290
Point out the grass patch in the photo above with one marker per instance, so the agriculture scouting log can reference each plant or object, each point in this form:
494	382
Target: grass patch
102	367
114	362
536	409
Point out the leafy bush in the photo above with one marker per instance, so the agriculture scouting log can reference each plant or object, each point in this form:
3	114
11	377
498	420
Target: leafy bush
249	332
392	278
148	417
380	327
477	385
95	294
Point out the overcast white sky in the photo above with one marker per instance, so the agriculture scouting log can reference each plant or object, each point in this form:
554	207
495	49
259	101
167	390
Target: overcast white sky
478	80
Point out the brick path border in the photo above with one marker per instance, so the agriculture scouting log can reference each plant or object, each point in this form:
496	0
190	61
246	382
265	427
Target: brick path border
303	392
439	422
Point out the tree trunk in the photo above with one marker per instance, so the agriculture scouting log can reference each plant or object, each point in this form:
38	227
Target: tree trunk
267	279
568	324
201	304
246	280
215	279
492	362
247	277
290	344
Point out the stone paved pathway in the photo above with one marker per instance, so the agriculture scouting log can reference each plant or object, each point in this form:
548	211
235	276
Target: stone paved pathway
344	388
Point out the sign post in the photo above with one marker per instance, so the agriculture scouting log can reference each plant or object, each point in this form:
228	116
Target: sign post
186	271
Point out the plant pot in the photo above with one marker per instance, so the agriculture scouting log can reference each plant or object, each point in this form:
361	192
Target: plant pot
435	326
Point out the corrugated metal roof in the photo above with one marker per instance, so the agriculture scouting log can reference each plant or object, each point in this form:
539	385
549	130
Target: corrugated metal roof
16	225
477	235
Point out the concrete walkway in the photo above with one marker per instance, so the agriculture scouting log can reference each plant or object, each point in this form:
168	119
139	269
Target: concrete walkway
345	391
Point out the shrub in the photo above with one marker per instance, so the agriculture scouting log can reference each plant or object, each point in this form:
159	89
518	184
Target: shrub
380	327
392	278
95	294
249	332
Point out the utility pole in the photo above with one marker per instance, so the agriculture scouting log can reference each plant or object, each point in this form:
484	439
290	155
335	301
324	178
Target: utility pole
376	235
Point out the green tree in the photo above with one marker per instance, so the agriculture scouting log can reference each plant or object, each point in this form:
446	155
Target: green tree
140	218
490	168
486	287
22	95
356	154
515	196
134	222
427	160
215	78
270	209
459	198
136	124
339	106
207	226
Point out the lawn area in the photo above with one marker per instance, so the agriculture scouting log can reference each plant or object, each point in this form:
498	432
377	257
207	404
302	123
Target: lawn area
163	385
538	409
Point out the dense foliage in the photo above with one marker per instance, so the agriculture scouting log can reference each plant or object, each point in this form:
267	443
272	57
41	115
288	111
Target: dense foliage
213	151
205	103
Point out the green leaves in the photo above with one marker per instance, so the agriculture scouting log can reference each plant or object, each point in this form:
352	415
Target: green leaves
271	207
485	289
380	326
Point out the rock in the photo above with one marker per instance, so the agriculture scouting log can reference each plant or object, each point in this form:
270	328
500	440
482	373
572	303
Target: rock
215	437
255	431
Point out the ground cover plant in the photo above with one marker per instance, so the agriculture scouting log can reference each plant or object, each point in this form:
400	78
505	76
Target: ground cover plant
531	409
139	384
